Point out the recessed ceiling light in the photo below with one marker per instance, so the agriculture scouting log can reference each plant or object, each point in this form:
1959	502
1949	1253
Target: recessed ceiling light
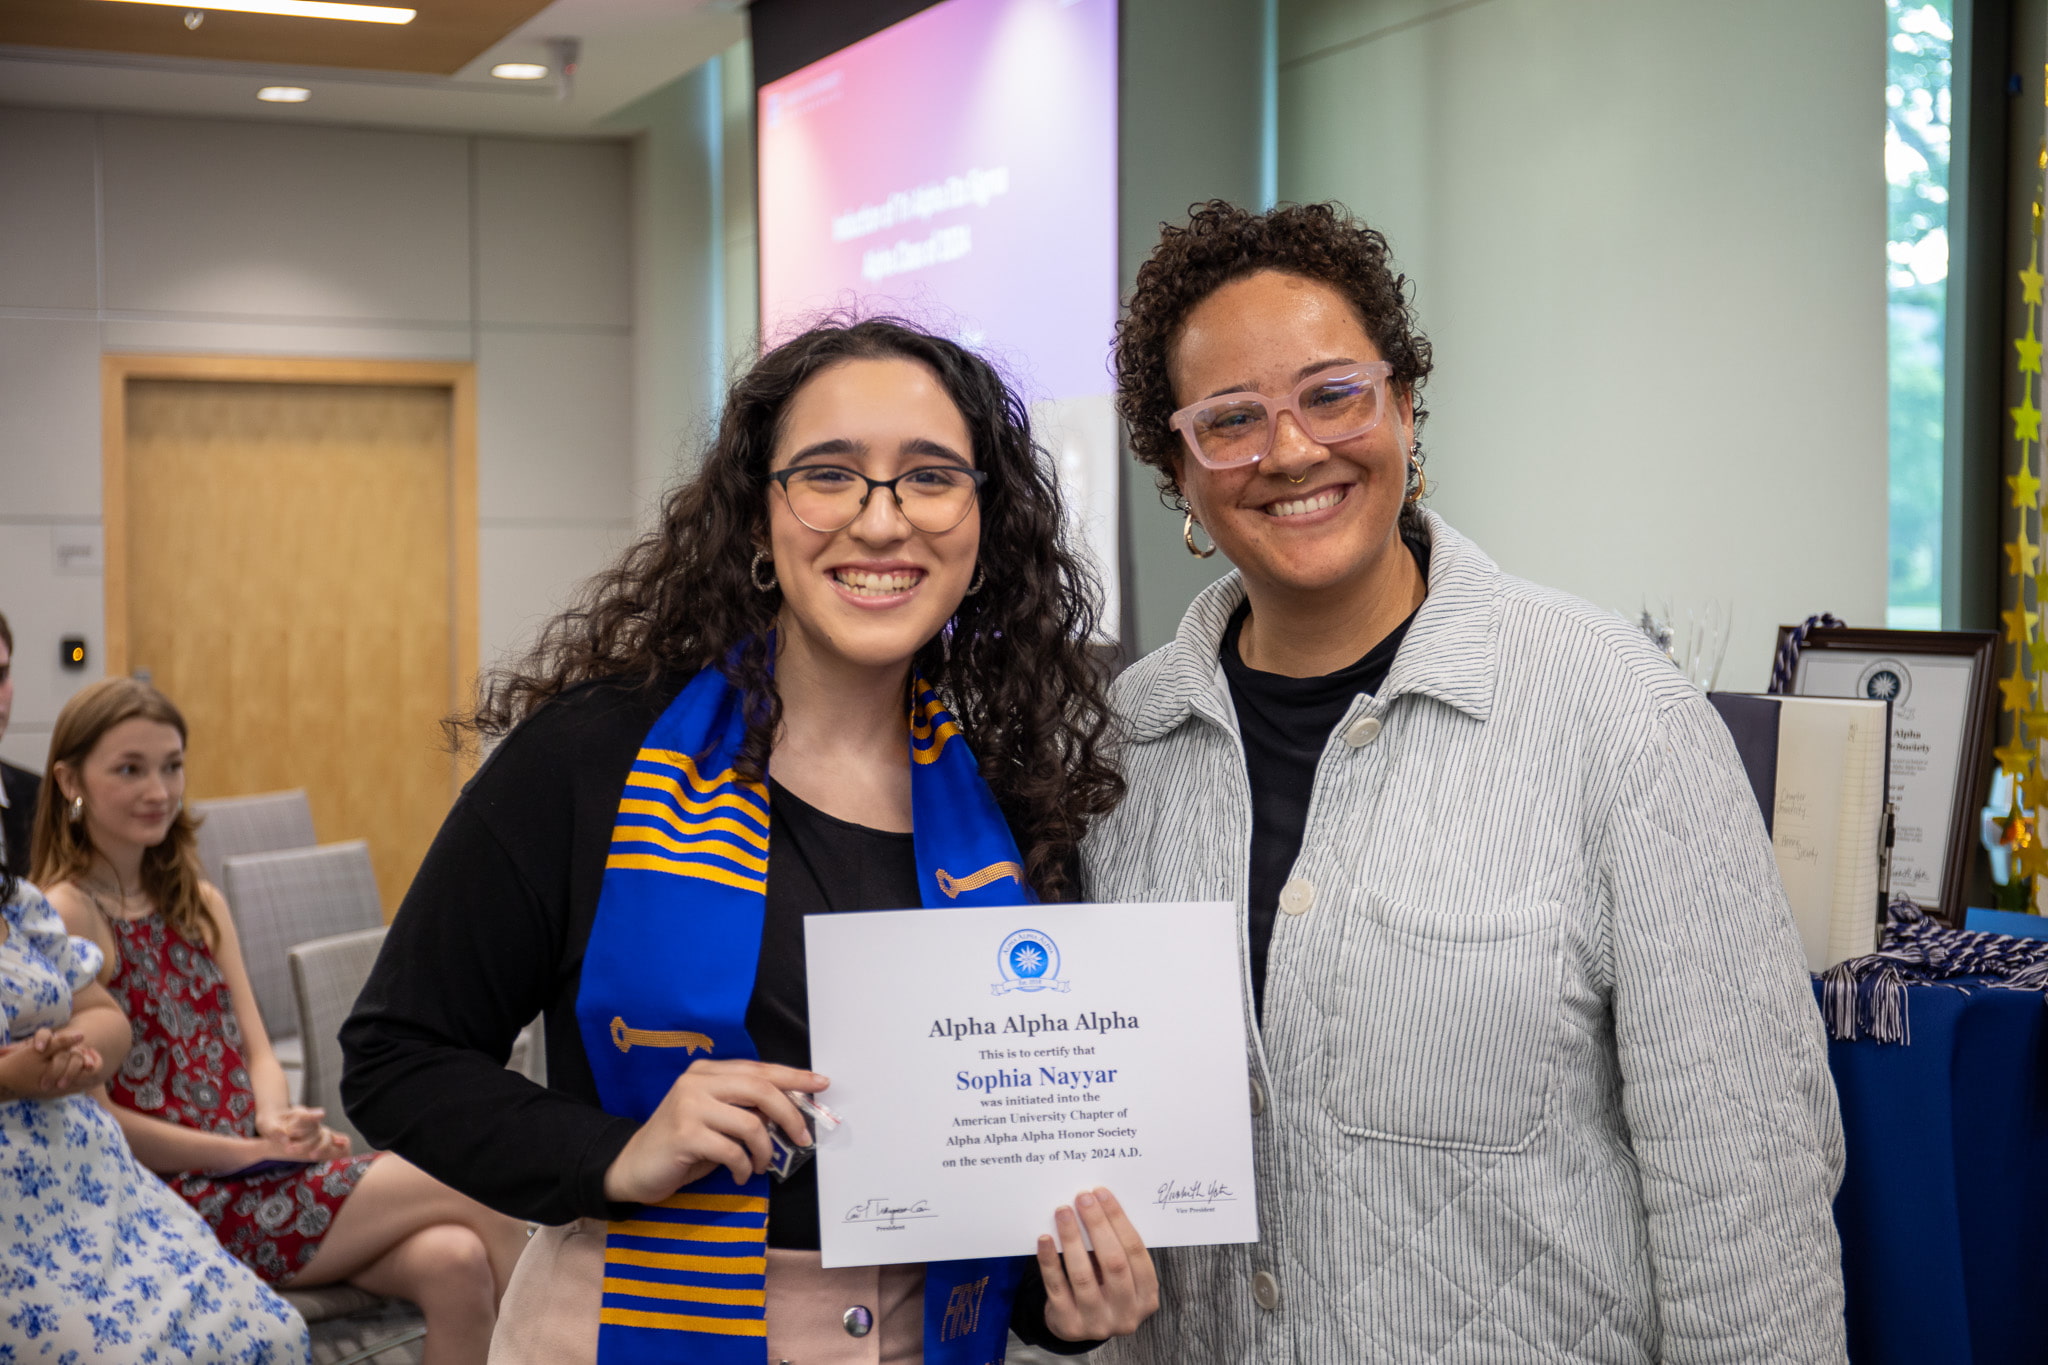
519	71
284	94
298	9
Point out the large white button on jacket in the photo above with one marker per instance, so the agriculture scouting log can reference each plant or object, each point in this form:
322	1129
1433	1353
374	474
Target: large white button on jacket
1543	1077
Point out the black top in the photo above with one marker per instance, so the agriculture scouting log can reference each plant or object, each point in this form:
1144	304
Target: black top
817	864
1285	724
492	932
18	816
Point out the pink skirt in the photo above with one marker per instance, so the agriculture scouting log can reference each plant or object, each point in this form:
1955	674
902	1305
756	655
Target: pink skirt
549	1316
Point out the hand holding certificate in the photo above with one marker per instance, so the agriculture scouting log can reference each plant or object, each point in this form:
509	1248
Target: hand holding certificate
990	1063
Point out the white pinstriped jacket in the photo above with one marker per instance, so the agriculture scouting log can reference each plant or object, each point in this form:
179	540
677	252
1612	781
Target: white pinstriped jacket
1541	1076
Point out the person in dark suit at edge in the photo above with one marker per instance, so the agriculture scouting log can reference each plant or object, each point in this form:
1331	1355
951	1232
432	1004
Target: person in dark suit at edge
18	786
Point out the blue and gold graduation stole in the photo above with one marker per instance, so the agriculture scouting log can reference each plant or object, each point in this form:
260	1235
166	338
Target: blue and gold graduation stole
667	975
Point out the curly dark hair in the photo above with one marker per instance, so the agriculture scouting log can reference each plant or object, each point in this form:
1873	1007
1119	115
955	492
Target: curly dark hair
1013	664
1223	242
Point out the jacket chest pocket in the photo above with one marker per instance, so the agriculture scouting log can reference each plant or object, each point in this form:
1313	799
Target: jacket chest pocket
1444	1029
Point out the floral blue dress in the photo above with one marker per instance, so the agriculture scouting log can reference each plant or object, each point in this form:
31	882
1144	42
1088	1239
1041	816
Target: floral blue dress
99	1259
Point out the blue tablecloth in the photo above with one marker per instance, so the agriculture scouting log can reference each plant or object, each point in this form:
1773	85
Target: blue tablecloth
1944	1206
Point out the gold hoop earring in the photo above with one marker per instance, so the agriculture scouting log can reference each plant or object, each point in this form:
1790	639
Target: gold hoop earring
1187	535
1417	480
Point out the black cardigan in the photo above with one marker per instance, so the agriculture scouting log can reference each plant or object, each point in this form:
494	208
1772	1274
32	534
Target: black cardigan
491	933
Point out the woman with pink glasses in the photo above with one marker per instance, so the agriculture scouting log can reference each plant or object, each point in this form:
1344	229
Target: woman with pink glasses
1536	1070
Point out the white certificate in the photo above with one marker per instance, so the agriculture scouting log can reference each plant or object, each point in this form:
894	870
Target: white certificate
990	1064
1930	697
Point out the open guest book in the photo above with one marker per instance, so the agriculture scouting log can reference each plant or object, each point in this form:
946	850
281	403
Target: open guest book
1817	765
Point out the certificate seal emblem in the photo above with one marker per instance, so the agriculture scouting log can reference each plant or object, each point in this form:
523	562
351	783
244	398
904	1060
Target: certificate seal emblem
1029	961
1886	680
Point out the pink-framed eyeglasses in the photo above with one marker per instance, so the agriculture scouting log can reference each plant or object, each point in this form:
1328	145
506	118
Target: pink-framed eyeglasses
1336	404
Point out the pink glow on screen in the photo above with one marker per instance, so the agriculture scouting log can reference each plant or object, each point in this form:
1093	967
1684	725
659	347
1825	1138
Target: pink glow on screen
960	168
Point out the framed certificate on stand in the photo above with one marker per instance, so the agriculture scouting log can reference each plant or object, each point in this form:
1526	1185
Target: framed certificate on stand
1941	686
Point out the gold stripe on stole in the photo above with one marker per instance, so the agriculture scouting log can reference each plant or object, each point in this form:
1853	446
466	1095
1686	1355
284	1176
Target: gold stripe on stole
643	834
670	758
683	1322
686	1293
715	1203
702	1265
673	790
714	828
647	862
685	1232
928	735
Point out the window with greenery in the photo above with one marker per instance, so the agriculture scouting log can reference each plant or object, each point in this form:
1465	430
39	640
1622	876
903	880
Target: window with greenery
1916	171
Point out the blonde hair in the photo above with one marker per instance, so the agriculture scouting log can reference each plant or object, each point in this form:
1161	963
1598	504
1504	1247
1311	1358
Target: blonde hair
61	850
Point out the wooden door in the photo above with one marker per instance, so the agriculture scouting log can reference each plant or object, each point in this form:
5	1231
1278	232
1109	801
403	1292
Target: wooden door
290	578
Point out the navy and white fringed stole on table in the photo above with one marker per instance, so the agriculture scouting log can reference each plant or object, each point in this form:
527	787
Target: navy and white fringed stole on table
1787	657
1865	997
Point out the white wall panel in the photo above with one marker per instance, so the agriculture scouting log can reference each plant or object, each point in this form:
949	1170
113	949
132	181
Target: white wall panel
264	220
551	238
47	210
1647	239
377	341
308	241
25	746
679	361
43	606
554	426
528	573
1309	27
49	419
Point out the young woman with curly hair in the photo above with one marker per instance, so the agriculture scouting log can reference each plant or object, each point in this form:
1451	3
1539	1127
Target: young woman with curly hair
848	670
1537	1072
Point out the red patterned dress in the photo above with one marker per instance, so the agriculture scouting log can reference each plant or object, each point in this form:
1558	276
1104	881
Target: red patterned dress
186	1067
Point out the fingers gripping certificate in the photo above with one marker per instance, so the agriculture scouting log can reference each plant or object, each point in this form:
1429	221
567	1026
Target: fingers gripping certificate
990	1064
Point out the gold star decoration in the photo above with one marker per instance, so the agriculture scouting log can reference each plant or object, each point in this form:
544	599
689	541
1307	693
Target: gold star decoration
2029	347
2013	757
2033	860
2037	725
2026	421
2025	485
2034	791
2038	652
2016	689
2021	554
2019	623
2030	284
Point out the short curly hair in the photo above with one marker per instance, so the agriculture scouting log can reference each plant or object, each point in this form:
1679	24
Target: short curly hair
1223	242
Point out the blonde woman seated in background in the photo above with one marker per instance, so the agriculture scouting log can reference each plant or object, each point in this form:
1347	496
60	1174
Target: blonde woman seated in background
201	1096
100	1260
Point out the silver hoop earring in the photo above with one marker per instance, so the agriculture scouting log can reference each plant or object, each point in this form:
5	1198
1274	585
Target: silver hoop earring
77	809
754	572
980	577
1187	535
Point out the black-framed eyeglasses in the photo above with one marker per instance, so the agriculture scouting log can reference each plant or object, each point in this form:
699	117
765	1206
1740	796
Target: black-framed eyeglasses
829	497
